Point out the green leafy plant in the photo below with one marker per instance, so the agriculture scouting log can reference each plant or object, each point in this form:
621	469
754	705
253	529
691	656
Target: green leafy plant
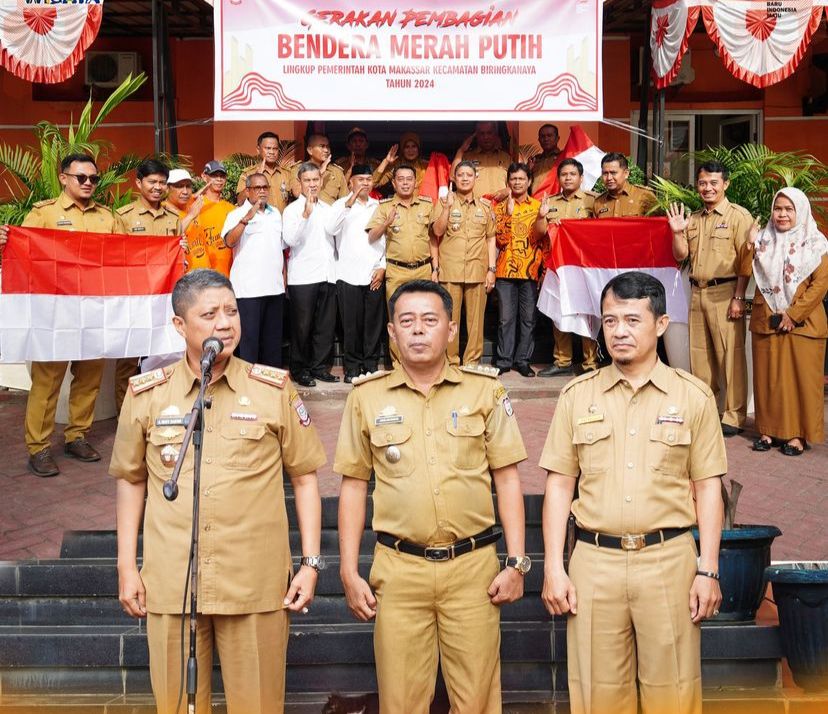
30	174
756	174
237	163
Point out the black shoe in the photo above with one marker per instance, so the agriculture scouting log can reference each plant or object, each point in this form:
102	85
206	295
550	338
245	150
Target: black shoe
791	450
81	450
42	464
553	370
305	380
324	376
349	377
728	430
524	370
761	445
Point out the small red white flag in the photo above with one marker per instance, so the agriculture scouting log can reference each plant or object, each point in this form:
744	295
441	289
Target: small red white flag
69	295
585	255
436	180
578	146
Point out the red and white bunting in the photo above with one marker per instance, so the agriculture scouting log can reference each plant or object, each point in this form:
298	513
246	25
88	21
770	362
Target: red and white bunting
671	24
42	42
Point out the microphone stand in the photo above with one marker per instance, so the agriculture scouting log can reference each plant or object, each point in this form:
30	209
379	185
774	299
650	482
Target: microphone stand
194	433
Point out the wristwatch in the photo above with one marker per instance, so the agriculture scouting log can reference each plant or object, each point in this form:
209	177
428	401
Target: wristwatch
492	268
521	563
317	562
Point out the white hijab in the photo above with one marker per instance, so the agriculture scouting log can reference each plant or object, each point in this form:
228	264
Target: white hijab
781	261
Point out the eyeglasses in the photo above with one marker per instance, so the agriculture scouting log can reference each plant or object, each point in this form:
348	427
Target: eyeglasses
260	187
94	179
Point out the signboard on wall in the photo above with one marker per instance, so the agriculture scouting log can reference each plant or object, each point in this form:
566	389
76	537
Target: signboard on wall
336	59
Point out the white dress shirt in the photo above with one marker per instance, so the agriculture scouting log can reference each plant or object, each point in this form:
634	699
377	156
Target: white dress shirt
311	246
257	257
357	258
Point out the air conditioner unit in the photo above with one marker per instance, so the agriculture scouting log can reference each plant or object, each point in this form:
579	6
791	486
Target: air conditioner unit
109	69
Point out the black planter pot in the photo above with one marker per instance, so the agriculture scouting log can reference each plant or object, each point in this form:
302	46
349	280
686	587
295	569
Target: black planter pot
743	556
800	591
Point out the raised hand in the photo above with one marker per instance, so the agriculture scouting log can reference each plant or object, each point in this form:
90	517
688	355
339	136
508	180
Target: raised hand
391	156
678	217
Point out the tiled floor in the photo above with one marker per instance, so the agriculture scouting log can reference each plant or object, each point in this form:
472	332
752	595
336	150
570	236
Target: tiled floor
791	493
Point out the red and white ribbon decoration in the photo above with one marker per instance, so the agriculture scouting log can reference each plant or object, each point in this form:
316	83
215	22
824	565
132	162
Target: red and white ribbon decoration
762	42
45	43
671	24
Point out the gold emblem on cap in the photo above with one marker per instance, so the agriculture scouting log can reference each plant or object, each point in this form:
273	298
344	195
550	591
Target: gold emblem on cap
392	454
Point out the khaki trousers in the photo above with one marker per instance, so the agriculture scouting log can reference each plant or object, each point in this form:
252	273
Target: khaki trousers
425	609
394	277
251	649
43	398
562	353
124	369
633	622
717	349
473	296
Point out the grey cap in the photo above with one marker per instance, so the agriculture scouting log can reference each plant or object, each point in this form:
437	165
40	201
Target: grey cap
214	167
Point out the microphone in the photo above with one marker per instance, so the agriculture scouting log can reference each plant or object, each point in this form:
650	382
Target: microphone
211	348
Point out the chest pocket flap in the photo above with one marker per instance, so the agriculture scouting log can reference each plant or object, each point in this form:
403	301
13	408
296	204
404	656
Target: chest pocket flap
390	434
242	430
591	433
670	434
471	425
593	445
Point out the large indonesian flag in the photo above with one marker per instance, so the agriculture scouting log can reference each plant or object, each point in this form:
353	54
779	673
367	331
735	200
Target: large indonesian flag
578	146
69	295
584	256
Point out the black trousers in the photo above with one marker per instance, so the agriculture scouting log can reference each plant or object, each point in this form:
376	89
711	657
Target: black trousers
516	301
362	312
261	329
312	325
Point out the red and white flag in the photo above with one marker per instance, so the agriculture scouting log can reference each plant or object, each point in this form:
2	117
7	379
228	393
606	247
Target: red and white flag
69	295
578	146
436	180
585	255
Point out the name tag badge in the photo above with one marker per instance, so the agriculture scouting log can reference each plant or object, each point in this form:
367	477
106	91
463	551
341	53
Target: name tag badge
243	416
64	222
171	421
590	419
388	419
138	229
670	419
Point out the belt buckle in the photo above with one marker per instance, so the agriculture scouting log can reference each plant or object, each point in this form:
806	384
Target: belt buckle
437	555
703	284
632	541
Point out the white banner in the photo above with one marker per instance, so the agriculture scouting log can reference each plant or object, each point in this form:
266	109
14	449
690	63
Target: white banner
509	60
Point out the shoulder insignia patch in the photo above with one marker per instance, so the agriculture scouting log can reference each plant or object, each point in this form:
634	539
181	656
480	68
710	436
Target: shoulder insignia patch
426	199
482	369
363	378
123	210
594	194
269	375
47	202
387	200
142	382
485	201
591	374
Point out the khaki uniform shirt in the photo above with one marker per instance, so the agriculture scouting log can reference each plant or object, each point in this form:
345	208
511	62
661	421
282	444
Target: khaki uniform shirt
464	248
491	170
334	185
382	178
440	488
279	180
139	219
718	242
541	166
578	205
406	240
66	215
632	201
253	431
344	162
636	452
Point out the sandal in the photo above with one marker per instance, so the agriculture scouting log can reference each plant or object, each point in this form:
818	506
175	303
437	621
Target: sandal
761	445
789	449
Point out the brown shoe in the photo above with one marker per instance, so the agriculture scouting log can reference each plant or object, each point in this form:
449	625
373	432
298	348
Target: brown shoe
81	450
42	464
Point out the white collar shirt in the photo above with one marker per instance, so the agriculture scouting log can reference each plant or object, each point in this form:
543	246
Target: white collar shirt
257	256
311	246
356	257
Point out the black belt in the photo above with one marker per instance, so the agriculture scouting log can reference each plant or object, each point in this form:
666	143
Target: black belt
629	541
438	553
710	283
410	266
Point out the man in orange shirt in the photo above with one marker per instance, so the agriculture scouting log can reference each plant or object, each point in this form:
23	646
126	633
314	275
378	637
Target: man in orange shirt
206	246
519	238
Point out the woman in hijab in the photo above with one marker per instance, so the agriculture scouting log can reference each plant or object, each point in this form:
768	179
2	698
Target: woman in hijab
789	327
406	152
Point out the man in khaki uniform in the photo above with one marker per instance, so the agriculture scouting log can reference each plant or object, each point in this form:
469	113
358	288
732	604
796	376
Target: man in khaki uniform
150	217
467	255
571	203
267	149
256	427
716	241
489	160
435	437
541	164
410	251
357	144
621	198
334	185
643	444
73	210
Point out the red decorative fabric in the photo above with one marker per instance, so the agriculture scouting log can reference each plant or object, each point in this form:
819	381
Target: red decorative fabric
45	43
671	24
